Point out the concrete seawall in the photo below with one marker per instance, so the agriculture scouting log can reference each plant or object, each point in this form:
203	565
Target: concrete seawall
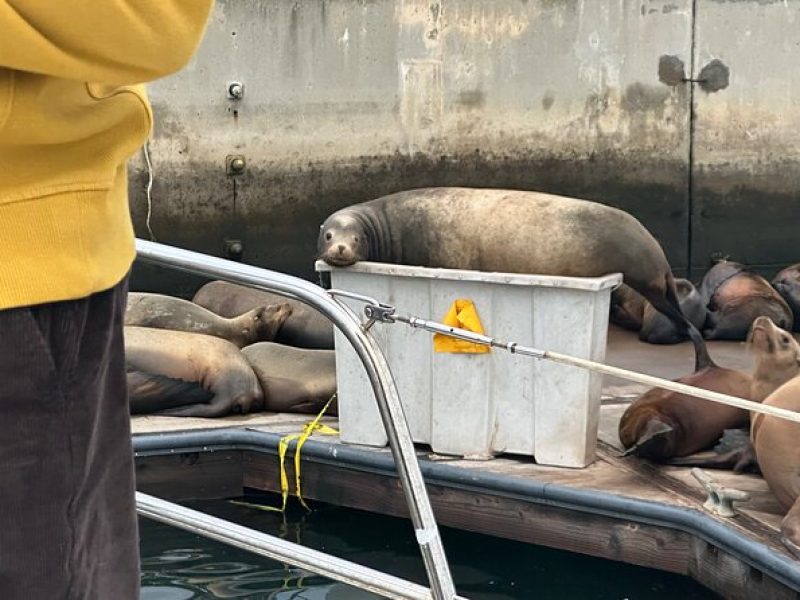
348	100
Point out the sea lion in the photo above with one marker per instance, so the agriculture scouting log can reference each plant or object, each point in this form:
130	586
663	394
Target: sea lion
627	308
167	312
787	283
305	327
777	360
778	454
298	380
663	425
188	374
506	231
658	329
735	297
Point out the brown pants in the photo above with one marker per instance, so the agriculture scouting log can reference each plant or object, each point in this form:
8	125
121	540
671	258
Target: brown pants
67	519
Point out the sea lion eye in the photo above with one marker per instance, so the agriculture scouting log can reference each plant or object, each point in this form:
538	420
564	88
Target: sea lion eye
355	239
785	339
328	235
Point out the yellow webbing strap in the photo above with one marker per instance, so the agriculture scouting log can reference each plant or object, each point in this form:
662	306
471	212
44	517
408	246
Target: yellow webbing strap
283	445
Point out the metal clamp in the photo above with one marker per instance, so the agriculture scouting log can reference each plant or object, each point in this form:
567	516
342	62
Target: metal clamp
381	312
374	310
720	499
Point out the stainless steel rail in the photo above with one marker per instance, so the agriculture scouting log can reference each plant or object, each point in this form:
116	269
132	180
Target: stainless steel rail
278	549
377	369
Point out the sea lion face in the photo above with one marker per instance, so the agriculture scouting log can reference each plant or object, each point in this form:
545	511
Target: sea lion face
787	283
342	241
773	344
267	322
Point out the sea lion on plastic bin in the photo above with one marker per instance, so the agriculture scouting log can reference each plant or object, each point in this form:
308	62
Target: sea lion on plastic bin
305	327
259	324
294	379
735	297
506	231
787	283
663	425
778	454
188	374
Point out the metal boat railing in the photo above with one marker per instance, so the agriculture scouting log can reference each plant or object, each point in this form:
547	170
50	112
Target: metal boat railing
386	395
279	549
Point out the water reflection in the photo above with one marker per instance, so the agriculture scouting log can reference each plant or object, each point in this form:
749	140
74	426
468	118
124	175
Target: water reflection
172	570
178	565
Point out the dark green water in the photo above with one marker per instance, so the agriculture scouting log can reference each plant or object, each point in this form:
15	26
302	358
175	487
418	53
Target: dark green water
181	566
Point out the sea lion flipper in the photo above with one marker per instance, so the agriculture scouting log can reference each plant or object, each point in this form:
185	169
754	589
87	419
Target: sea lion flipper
740	460
203	410
148	392
654	433
667	303
790	529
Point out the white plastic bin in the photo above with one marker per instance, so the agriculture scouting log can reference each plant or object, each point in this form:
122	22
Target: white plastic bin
478	405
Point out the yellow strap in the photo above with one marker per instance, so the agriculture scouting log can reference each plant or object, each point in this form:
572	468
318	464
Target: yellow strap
283	445
309	429
255	506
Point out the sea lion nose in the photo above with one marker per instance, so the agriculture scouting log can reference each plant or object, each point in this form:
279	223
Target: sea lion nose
341	248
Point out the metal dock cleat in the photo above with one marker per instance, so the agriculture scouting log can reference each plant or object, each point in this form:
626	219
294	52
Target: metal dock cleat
720	499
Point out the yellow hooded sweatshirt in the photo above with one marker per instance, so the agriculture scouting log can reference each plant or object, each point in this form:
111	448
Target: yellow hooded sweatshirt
72	113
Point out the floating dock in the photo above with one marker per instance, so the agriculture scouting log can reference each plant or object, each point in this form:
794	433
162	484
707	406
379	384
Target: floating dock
624	509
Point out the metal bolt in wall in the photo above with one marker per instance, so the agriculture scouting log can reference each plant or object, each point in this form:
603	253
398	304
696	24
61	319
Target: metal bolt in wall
235	164
235	90
233	249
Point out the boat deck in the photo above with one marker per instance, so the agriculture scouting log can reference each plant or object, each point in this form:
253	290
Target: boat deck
620	508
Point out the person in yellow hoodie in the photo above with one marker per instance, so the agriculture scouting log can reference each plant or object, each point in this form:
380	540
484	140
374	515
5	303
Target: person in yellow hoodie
72	112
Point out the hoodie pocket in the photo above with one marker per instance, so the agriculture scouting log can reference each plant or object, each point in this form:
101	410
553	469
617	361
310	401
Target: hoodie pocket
6	94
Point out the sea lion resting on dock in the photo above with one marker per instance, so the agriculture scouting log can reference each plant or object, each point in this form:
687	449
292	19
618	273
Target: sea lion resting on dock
304	328
735	297
506	231
662	425
259	324
778	454
184	374
627	308
630	310
297	380
787	284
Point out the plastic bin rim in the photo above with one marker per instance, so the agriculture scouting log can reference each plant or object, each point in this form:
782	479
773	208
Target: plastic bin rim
592	284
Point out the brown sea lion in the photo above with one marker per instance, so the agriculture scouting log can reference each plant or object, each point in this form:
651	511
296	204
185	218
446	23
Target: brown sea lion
735	297
259	324
662	425
506	231
777	360
776	445
294	379
787	283
627	308
188	374
305	327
